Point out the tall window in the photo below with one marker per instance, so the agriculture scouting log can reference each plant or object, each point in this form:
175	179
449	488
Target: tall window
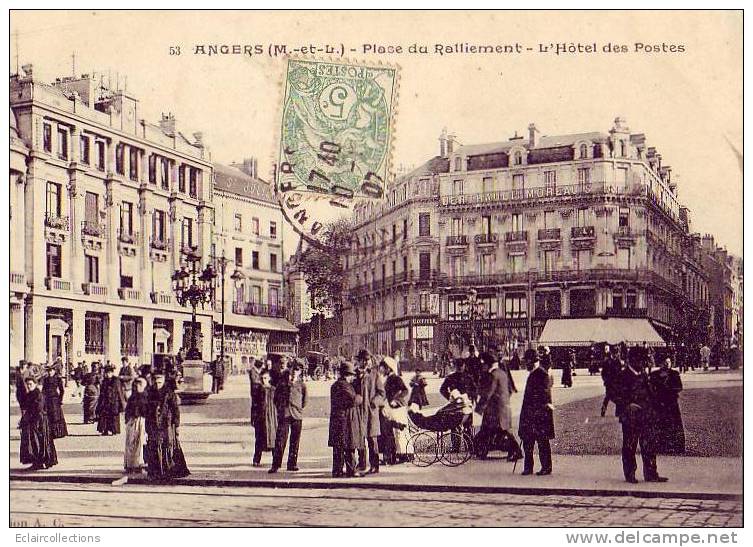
424	265
256	294
518	158
128	337
165	173
457	187
423	302
62	143
582	217
238	222
255	260
517	222
623	149
272	230
158	225
622	177
550	261
255	226
187	233
486	225
624	217
424	224
182	178
394	233
84	149
456	308
53	199
54	261
583	151
584	176
273	298
133	164
91	208
405	228
101	155
152	168
120	158
516	263
518	181
91	268
193	183
624	258
456	228
549	219
238	257
550	178
487	185
94	334
457	266
458	164
126	218
486	264
47	137
273	262
516	306
582	259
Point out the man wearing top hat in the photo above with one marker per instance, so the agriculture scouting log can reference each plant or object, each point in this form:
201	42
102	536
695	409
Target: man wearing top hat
110	404
537	419
344	426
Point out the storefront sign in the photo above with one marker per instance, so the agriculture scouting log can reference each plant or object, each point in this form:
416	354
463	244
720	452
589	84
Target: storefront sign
539	192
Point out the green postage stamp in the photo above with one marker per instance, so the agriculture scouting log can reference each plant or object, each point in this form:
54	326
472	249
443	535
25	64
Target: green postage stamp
335	137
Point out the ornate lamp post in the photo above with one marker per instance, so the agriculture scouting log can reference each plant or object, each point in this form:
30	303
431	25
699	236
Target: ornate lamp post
194	287
236	276
476	311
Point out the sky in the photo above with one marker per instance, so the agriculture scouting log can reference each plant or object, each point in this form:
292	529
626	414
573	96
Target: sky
689	104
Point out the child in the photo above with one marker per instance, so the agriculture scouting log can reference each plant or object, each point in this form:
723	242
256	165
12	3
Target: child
89	402
418	390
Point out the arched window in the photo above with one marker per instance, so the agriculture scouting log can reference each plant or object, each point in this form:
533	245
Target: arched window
623	149
583	151
518	158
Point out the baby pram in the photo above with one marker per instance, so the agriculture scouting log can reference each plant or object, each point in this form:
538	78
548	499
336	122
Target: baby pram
442	437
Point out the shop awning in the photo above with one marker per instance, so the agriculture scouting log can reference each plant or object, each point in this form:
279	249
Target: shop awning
587	331
259	323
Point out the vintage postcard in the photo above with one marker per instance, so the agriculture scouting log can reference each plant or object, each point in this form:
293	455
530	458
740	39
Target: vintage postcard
376	268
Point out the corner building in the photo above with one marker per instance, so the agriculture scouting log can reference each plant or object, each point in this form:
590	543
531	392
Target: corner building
104	207
538	228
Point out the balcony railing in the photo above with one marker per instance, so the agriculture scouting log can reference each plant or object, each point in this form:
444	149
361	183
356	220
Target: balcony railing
485	239
130	237
582	232
158	243
549	234
93	229
259	310
624	231
127	293
457	240
483	279
55	284
94	347
94	289
161	298
56	222
17	278
517	236
626	312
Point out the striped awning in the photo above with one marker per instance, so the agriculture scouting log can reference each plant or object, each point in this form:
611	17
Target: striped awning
588	331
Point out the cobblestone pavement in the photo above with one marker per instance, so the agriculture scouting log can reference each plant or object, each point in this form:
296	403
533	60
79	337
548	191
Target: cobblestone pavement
57	504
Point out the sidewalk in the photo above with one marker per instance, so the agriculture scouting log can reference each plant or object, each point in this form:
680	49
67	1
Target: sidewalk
690	478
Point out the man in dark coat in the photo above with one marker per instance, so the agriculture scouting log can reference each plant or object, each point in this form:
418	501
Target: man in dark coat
344	425
494	405
537	420
290	400
636	410
370	386
474	366
610	370
666	385
110	403
53	390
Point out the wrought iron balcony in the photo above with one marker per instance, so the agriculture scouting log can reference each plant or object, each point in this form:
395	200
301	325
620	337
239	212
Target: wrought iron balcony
56	222
549	234
626	312
516	236
582	232
485	239
259	310
93	229
457	241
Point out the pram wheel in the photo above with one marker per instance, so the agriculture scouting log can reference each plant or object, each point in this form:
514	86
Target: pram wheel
423	446
454	449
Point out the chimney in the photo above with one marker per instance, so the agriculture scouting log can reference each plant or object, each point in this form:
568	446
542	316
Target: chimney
533	139
167	124
28	69
443	143
450	143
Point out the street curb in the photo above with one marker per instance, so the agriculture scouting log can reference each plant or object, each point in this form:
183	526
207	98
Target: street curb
351	484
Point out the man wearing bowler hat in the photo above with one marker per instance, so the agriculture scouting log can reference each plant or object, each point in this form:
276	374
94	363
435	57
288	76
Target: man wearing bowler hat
344	423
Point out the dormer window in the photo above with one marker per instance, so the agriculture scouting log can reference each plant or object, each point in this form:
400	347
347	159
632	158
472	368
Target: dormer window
583	151
623	149
458	164
518	158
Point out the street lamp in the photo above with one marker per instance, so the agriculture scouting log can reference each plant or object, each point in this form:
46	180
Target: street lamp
222	263
476	310
194	286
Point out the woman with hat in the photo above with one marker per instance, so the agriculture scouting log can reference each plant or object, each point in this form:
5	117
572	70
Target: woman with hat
164	456
396	395
37	444
53	390
110	403
263	416
344	423
91	396
135	414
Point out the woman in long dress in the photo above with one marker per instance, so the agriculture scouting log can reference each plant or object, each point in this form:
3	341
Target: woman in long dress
667	385
164	456
91	395
135	414
110	403
53	390
37	444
